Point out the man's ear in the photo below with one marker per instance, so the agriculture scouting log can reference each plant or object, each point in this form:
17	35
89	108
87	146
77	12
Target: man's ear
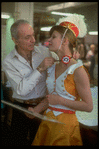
15	41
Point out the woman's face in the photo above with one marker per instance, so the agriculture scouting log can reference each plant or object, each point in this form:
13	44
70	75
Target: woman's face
54	41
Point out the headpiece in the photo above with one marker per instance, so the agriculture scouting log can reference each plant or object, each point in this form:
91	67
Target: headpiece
71	26
75	23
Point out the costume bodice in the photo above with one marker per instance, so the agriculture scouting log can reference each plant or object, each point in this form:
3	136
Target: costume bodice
64	85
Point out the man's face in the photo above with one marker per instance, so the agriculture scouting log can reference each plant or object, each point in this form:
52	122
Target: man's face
26	38
92	47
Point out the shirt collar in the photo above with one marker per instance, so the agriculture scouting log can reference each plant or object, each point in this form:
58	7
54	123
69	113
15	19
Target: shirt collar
15	53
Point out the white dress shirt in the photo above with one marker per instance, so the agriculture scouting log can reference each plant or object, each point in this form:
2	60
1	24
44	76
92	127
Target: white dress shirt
26	83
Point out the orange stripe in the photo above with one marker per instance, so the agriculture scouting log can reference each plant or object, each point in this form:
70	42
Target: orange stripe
62	110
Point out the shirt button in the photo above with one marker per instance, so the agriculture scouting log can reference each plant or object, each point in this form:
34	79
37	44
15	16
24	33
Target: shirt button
70	96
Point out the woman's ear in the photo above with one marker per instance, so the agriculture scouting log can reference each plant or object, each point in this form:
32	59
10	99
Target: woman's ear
65	41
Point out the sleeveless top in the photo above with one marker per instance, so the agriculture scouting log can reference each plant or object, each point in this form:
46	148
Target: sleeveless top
64	85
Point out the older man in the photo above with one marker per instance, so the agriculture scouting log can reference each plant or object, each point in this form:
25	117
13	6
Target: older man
25	68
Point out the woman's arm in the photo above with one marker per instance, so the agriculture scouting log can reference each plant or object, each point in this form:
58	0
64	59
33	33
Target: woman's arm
83	89
42	106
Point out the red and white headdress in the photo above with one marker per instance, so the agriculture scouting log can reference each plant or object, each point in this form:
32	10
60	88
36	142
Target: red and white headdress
75	23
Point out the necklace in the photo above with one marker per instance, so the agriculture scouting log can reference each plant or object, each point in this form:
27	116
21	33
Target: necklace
65	59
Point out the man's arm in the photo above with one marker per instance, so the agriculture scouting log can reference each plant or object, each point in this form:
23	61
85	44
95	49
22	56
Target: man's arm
21	85
24	85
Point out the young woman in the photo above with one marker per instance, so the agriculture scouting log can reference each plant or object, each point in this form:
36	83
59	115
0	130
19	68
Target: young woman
67	83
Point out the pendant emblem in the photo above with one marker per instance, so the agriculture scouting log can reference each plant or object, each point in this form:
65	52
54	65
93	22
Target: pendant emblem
66	59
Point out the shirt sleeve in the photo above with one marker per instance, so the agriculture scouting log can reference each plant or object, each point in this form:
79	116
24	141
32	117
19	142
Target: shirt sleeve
21	85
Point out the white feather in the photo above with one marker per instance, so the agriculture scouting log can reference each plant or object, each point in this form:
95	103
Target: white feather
78	20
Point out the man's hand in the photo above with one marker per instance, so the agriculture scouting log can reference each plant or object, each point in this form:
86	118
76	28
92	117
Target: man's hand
47	62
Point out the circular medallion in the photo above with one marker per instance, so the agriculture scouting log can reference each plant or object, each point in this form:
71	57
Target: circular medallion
66	59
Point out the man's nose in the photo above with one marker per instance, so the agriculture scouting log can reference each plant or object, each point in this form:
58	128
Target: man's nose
32	39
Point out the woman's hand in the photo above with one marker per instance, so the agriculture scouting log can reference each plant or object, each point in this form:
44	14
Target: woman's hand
29	115
41	107
53	99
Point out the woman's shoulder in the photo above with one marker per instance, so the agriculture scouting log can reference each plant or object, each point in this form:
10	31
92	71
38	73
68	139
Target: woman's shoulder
71	69
81	74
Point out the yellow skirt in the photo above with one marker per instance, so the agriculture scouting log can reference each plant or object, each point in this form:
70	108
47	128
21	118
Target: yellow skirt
55	134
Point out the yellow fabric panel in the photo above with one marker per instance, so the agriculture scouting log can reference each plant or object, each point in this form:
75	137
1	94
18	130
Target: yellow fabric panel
56	134
70	84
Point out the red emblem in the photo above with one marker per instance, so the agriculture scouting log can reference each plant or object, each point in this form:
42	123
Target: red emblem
66	59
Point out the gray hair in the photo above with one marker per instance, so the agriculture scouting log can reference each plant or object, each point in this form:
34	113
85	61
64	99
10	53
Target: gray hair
14	27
